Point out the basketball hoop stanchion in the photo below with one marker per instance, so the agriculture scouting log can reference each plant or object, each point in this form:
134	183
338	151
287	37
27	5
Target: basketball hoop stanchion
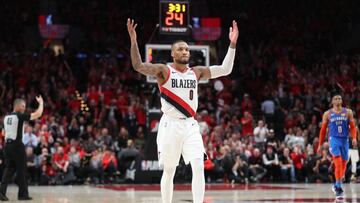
153	33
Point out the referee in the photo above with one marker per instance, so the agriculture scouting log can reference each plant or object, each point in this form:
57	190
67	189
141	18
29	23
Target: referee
14	151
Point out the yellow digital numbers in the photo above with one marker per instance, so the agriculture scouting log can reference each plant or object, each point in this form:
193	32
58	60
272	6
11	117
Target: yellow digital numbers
174	17
177	8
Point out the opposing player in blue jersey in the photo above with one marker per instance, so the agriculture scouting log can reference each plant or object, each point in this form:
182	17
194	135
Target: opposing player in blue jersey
340	124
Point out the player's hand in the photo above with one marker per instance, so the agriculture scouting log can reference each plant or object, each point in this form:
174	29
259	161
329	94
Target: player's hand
354	143
39	99
131	29
233	34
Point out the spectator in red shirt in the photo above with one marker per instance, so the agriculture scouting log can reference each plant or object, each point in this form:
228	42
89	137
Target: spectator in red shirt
298	158
44	132
66	145
109	165
65	173
74	103
61	160
207	118
246	122
93	95
122	103
108	94
140	114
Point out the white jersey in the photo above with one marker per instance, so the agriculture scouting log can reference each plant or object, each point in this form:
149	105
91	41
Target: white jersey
179	93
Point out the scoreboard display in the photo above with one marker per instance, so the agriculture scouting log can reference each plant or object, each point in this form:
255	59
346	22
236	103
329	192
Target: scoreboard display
174	17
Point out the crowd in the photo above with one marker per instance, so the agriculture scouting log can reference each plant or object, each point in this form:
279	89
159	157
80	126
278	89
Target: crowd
73	143
289	66
264	122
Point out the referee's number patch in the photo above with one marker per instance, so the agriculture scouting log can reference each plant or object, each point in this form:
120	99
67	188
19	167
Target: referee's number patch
9	121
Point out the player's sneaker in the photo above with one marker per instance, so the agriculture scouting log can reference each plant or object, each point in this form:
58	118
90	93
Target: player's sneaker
333	189
338	191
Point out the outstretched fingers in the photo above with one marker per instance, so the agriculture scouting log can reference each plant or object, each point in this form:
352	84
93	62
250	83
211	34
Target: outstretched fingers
234	26
128	24
131	25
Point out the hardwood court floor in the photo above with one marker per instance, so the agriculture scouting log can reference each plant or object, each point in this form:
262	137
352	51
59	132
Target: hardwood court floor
223	193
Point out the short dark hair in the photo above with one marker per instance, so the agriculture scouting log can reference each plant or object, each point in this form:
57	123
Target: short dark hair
177	41
335	92
18	101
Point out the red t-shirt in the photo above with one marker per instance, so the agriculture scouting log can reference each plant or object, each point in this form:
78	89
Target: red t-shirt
141	116
107	159
297	160
60	159
247	128
74	104
66	148
81	152
295	88
50	171
94	96
108	95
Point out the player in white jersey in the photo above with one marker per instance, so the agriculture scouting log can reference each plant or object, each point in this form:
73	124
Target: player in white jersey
178	130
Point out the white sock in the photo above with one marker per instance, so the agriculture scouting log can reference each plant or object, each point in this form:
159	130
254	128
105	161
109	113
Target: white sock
167	184
354	156
198	180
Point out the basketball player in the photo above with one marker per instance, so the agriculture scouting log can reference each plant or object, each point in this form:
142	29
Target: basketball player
340	122
178	130
14	151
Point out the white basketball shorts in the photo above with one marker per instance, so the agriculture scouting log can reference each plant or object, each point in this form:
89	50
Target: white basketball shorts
178	137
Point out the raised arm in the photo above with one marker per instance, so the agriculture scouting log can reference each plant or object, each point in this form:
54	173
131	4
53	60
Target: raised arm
39	110
227	65
157	70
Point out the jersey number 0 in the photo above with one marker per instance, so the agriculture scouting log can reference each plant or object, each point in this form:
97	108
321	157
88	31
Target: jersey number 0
191	94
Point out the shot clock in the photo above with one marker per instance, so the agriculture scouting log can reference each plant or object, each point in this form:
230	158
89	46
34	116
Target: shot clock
174	17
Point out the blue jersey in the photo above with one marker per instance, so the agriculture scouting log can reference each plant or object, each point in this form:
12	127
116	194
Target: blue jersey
338	124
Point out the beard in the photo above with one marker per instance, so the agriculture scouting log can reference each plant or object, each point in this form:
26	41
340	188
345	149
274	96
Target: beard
182	61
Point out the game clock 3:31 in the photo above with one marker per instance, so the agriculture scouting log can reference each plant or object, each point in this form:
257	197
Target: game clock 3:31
174	17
